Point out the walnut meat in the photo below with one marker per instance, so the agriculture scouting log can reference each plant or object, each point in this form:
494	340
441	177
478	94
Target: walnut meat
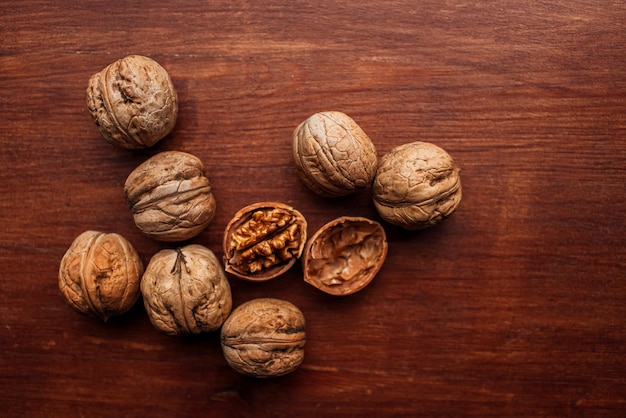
170	196
264	338
185	291
417	185
133	102
344	255
333	155
263	240
99	274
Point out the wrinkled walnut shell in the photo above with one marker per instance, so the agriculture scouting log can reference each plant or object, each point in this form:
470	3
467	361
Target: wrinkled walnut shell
417	186
344	255
264	338
133	102
185	291
263	240
99	274
170	196
333	155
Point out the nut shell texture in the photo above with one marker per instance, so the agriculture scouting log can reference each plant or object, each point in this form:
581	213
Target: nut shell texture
344	255
170	196
263	240
133	102
99	274
185	291
264	338
333	155
417	185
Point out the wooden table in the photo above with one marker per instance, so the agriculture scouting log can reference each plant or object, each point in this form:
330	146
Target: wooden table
514	306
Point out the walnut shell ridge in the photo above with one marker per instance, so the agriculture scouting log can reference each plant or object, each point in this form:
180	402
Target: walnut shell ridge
333	155
185	291
264	337
133	102
170	196
99	274
417	185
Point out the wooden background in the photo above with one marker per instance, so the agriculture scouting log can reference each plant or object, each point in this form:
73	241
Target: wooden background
514	306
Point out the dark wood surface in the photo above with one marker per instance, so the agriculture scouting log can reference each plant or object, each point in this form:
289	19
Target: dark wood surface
514	306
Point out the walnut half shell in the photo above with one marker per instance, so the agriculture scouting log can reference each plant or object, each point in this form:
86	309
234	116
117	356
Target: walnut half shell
185	291
264	338
263	240
344	255
133	102
99	274
417	186
170	196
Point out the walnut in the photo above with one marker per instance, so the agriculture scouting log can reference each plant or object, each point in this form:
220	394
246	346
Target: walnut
263	240
333	156
99	274
344	255
133	102
185	291
170	196
417	185
264	338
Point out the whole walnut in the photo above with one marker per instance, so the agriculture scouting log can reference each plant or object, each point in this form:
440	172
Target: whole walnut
133	102
170	196
99	274
333	155
344	255
185	291
263	240
264	338
416	186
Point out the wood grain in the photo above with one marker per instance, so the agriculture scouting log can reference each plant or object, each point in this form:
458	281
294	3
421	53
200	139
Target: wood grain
515	306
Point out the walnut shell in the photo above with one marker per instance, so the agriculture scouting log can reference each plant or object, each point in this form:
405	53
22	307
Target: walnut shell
333	155
185	291
99	274
344	255
417	185
264	338
133	102
170	196
263	240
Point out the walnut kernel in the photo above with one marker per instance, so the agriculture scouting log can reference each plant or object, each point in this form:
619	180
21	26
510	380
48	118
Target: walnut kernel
133	102
333	155
185	291
170	196
264	338
263	240
99	274
417	185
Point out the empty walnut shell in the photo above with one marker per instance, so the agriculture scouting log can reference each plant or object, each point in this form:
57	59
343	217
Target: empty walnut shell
99	274
185	291
417	185
170	196
344	255
264	338
133	102
333	155
263	240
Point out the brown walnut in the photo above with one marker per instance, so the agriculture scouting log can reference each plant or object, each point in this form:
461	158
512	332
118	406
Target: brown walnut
99	274
133	102
185	291
417	186
333	155
263	240
264	338
170	196
344	255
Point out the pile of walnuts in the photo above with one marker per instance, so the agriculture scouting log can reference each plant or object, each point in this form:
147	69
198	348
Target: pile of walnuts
186	290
